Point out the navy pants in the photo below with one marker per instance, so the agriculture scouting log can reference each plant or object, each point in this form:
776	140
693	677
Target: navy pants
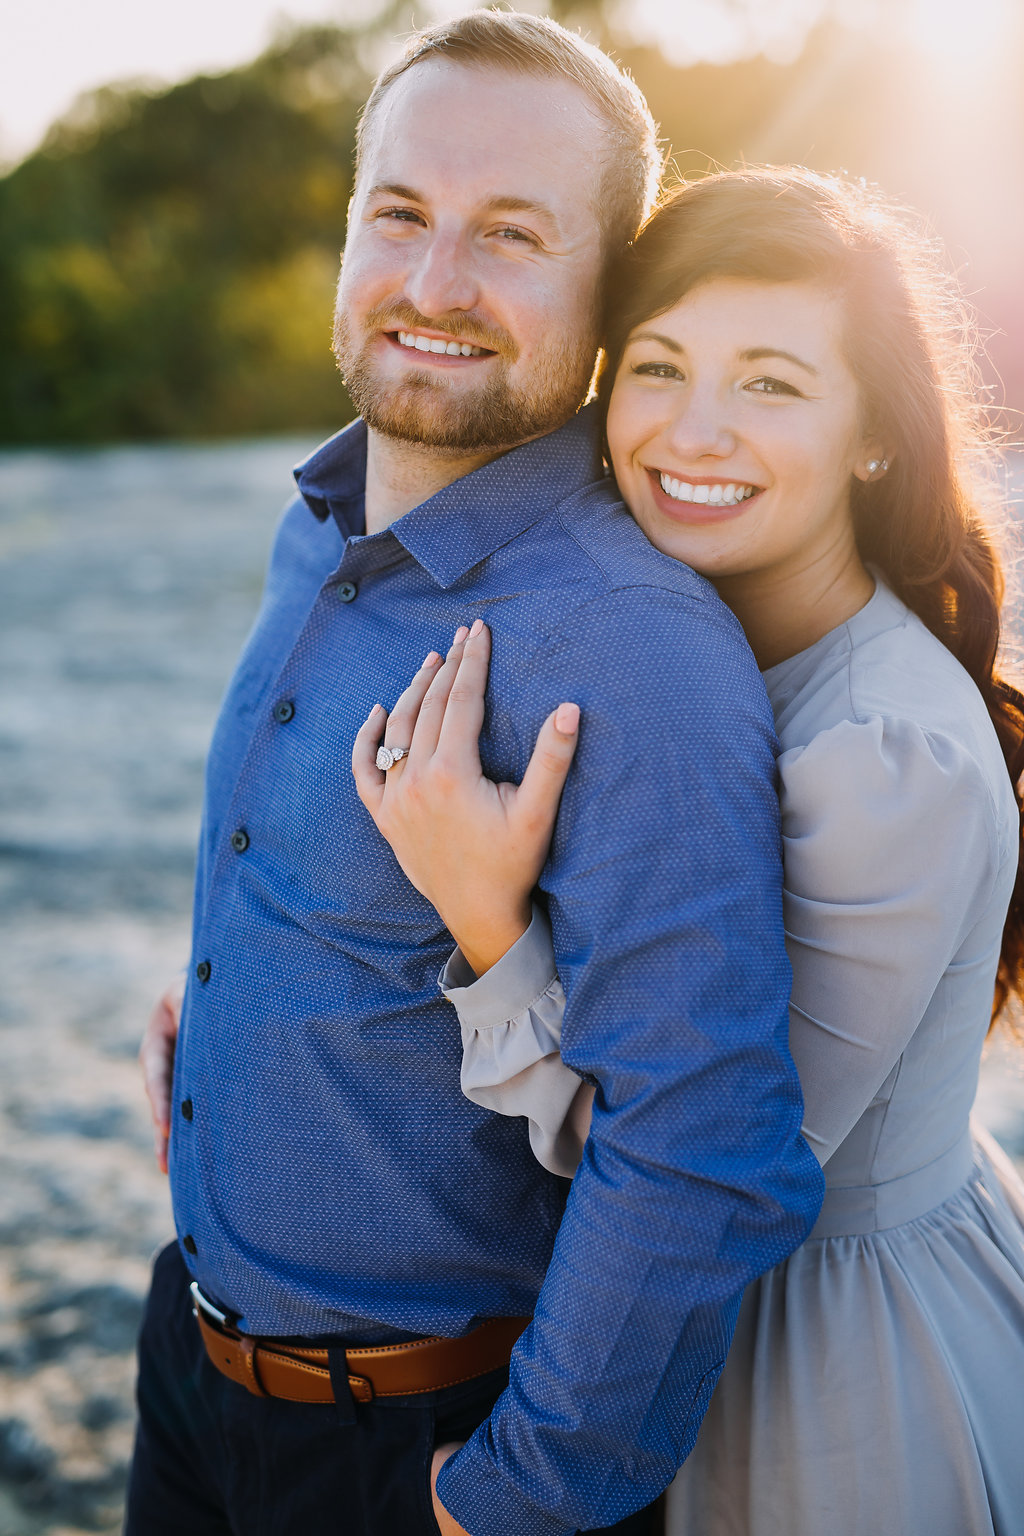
212	1460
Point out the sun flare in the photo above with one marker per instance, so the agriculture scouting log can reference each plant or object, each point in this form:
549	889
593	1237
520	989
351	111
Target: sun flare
961	32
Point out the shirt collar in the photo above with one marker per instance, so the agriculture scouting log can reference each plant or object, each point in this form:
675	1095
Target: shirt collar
472	517
332	481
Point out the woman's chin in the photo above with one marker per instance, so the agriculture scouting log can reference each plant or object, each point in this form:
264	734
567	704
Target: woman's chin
699	546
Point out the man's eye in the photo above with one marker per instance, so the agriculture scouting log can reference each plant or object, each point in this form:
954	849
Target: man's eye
519	236
403	215
766	385
657	370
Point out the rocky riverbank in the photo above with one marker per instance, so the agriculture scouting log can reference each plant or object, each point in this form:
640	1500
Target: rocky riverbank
127	581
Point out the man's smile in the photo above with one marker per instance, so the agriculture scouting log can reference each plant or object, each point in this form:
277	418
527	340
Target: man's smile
439	345
435	348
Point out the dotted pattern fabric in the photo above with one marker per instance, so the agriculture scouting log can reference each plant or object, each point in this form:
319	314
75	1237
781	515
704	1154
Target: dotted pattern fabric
333	1181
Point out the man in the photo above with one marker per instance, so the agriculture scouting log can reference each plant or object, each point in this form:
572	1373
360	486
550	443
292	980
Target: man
353	1226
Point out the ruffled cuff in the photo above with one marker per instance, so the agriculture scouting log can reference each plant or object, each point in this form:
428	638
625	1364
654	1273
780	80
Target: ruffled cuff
511	1020
524	973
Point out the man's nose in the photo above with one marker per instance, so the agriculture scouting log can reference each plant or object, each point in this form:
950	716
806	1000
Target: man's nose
443	278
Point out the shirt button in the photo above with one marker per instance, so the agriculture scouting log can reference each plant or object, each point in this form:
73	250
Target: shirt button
203	970
284	710
240	840
347	591
188	1242
186	1108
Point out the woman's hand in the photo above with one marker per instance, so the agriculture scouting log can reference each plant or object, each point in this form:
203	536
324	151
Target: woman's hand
156	1057
475	849
447	1524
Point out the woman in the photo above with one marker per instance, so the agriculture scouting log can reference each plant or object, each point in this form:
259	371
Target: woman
785	415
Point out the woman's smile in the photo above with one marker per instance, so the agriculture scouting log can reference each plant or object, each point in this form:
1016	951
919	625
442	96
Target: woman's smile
734	427
699	499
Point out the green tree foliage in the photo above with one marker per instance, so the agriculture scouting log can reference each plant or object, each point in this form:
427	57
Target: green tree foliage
168	261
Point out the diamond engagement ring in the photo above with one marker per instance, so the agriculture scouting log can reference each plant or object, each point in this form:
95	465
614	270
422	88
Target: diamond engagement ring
387	757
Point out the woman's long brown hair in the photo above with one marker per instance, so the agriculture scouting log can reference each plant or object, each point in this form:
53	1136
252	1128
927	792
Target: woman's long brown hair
926	523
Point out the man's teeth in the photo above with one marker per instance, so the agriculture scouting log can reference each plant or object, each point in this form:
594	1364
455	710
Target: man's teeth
427	344
714	495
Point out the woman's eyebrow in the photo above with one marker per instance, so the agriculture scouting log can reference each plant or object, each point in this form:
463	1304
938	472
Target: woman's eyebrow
748	355
755	354
663	341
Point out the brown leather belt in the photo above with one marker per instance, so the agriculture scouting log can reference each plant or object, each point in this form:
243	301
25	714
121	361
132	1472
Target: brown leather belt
275	1368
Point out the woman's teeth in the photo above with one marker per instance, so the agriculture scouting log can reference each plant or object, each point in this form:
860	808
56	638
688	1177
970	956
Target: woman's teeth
714	495
429	344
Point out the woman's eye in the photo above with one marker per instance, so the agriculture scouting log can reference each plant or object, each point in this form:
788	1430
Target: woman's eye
512	233
657	370
769	386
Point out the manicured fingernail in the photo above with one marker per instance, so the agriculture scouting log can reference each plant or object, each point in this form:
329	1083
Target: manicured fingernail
478	625
567	719
431	659
461	633
376	710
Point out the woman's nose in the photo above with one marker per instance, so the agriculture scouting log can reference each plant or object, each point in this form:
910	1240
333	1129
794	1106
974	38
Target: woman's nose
700	428
442	278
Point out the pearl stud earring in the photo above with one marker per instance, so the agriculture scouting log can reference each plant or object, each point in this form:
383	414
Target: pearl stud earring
877	466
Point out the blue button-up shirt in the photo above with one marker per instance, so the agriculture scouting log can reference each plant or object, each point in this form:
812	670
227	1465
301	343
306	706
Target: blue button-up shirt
332	1179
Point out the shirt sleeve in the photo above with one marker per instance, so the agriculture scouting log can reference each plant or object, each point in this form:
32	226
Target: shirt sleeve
664	890
511	1022
891	850
889	839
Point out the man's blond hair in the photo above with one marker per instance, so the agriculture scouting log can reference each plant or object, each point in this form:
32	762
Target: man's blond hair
535	45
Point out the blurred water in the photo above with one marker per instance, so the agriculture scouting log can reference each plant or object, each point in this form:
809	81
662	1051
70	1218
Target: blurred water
128	579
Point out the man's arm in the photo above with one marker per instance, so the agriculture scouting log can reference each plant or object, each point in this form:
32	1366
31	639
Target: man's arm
664	890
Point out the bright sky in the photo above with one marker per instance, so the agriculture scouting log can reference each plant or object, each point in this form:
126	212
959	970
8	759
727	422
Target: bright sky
50	50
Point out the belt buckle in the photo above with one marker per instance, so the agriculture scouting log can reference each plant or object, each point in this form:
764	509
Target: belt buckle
222	1324
214	1315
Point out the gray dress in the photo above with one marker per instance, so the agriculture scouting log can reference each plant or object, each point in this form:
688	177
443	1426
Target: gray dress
876	1381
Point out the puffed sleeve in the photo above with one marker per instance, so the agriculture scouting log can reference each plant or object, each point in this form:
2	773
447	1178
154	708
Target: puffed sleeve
511	1021
890	848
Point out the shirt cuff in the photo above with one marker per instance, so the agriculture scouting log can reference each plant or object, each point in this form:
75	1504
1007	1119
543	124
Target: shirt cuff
511	986
486	1503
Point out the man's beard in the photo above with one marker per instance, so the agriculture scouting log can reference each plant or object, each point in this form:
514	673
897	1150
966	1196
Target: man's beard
425	408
